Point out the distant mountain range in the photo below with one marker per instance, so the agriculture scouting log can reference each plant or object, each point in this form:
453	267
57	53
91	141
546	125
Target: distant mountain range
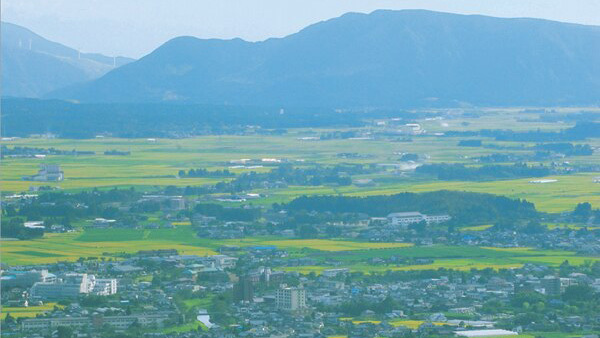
409	58
33	66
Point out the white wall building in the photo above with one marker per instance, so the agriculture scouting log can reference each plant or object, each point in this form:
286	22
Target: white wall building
73	285
290	298
406	218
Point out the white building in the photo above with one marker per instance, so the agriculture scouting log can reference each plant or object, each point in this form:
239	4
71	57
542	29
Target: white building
26	278
223	261
334	272
290	298
486	333
47	172
405	218
103	223
73	285
105	287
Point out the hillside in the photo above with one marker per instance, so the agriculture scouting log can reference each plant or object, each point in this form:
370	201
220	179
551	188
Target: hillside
383	59
33	66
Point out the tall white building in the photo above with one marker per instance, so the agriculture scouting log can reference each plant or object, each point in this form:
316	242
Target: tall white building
290	298
72	285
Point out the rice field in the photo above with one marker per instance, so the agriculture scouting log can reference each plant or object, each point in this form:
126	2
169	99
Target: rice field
456	258
27	312
318	244
110	243
100	244
113	243
409	323
157	164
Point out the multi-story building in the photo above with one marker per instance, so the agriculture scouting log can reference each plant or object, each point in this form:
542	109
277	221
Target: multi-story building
105	287
555	286
551	285
406	218
243	291
72	285
117	322
26	279
290	298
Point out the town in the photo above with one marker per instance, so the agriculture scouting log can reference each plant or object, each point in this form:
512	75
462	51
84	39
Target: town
269	289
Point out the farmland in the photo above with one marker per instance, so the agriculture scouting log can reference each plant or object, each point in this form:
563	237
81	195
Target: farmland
114	243
27	312
156	162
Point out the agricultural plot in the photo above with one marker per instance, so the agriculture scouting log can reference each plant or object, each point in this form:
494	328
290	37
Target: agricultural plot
27	312
318	244
446	257
157	164
107	243
111	243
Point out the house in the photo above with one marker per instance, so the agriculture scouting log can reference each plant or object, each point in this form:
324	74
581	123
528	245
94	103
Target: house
47	173
103	223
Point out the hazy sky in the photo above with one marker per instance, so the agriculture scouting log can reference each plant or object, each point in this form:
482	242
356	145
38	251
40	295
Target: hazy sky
136	27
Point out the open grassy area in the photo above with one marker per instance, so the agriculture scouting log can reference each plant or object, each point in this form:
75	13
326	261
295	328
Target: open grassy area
447	257
315	244
27	312
157	164
99	243
110	243
476	227
409	323
193	326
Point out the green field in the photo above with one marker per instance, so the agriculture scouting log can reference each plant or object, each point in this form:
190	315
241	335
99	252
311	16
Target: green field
108	243
27	312
157	163
112	243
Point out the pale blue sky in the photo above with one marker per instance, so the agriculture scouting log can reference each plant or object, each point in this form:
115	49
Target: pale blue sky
135	27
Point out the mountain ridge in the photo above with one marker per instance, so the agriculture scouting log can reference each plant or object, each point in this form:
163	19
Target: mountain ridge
33	66
383	59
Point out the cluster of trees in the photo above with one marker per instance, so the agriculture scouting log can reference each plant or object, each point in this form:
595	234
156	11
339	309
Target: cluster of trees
581	131
115	152
583	212
30	151
469	143
409	157
14	228
22	117
205	173
568	149
66	207
455	171
464	207
336	135
287	174
500	158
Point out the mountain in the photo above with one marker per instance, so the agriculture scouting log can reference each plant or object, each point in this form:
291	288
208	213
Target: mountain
33	66
382	59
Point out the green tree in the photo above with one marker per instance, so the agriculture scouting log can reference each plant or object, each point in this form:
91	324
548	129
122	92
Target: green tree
578	293
64	332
